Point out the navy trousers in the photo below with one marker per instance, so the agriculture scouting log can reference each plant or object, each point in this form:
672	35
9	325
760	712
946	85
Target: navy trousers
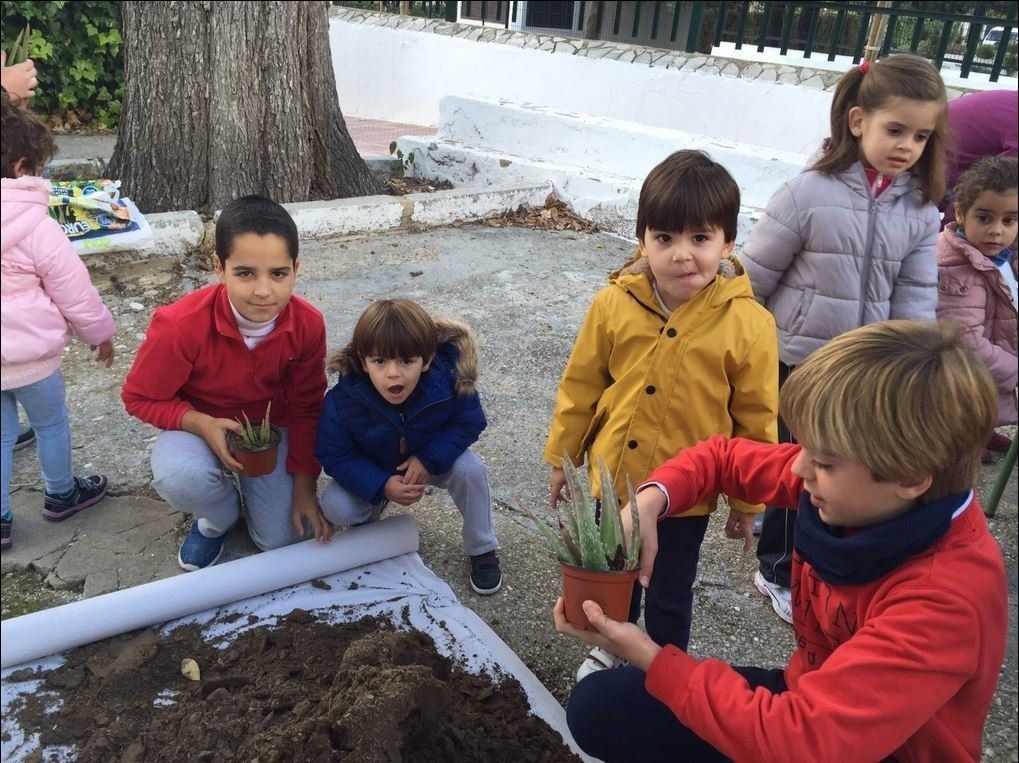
668	605
612	717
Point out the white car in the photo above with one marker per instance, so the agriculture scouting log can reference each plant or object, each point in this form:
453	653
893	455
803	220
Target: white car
993	35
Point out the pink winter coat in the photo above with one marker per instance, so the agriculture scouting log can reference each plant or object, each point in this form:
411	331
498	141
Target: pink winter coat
972	291
46	291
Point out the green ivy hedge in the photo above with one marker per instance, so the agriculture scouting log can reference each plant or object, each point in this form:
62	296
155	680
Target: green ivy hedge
77	49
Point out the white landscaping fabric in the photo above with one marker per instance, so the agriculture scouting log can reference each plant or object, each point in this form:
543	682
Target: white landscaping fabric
400	588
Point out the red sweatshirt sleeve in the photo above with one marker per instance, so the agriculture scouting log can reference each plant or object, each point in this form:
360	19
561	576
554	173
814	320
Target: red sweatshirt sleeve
160	370
305	387
869	697
749	471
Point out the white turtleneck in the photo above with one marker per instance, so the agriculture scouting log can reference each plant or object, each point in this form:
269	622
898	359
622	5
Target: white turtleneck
253	333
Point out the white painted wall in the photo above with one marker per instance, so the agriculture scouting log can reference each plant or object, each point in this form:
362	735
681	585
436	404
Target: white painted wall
401	76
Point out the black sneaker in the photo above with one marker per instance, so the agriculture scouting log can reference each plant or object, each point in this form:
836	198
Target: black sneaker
25	439
87	491
486	577
5	532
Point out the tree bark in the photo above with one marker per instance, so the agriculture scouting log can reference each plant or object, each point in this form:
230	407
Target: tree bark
223	99
591	30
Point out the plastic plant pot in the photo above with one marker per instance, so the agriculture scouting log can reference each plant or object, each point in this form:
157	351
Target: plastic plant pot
257	463
611	590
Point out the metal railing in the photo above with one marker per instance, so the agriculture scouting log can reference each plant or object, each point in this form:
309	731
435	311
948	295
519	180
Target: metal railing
858	30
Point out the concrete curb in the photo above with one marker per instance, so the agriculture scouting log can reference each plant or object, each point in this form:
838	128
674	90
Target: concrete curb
178	232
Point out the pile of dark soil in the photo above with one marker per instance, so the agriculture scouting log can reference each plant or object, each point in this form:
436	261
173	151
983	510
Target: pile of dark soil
304	691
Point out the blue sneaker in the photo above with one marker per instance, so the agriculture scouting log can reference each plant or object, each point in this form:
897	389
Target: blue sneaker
198	552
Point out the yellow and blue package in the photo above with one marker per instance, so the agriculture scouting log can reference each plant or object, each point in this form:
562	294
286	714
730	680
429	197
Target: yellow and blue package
96	218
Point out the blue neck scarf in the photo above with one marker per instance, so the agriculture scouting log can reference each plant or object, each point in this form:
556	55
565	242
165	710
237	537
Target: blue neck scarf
1001	258
872	551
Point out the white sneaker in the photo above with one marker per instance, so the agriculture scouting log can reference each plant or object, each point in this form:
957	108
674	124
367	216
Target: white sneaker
781	597
598	659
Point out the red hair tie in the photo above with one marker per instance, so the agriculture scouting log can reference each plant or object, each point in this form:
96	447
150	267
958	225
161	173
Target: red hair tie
864	67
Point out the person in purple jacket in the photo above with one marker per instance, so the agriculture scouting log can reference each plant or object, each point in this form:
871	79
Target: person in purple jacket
402	416
982	124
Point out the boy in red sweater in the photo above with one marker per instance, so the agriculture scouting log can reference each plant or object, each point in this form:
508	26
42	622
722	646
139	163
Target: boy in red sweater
898	589
228	350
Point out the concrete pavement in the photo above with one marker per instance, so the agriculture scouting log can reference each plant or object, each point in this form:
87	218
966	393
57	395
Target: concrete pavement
525	293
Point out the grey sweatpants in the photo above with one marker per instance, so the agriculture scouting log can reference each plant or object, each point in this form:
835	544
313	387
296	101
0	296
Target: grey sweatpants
467	483
190	478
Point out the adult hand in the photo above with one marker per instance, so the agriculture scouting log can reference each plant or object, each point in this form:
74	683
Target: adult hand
304	508
740	525
213	431
104	352
558	490
414	472
400	492
624	640
19	80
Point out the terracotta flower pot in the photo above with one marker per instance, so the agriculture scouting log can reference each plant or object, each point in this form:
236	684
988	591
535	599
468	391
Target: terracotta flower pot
257	463
611	590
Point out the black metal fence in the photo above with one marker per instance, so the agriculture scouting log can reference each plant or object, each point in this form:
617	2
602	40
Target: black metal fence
975	36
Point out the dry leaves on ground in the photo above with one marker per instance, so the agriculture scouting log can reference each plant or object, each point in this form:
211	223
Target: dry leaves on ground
555	215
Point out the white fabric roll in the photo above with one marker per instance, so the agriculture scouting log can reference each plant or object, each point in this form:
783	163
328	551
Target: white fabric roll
50	631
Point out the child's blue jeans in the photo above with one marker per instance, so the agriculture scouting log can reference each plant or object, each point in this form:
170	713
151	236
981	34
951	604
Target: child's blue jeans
467	483
190	478
46	409
613	718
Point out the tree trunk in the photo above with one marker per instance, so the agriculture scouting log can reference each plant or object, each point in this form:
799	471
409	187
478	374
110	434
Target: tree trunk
591	30
223	99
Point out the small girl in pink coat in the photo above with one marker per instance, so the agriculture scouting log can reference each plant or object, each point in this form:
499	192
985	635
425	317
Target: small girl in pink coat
47	296
977	276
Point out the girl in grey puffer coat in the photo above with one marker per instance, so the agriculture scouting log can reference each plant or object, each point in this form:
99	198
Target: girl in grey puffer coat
851	241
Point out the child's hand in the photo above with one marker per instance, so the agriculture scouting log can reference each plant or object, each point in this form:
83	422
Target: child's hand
558	490
304	508
650	504
740	525
104	352
400	492
213	431
624	640
414	472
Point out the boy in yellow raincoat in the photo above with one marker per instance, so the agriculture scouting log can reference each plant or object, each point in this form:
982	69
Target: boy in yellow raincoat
673	351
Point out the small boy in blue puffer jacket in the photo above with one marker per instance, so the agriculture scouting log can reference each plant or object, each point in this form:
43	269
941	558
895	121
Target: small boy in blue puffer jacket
403	415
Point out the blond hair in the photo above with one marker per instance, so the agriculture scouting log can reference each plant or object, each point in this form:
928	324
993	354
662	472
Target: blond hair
905	399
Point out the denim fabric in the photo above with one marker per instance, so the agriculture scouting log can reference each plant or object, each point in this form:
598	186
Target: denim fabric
46	410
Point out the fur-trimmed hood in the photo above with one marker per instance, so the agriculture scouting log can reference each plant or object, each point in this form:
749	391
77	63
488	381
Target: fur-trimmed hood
449	332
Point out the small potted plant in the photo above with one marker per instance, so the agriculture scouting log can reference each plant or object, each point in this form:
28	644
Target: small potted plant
596	560
257	445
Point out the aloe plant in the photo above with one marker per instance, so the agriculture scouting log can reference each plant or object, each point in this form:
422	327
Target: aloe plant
583	540
256	436
19	50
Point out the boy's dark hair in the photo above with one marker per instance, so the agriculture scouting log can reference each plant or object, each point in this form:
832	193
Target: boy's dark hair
258	215
23	137
995	173
395	328
688	191
900	76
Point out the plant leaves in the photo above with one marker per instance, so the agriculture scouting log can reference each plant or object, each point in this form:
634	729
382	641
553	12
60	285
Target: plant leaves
633	552
592	554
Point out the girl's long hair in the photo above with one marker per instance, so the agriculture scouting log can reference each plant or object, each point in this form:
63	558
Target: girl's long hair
899	76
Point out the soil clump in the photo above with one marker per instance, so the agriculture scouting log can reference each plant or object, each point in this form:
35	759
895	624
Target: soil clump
306	690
